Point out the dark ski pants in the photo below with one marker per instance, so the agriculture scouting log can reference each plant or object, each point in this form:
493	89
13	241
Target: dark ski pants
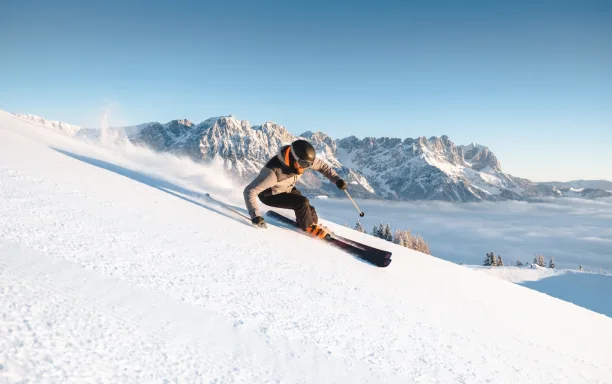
305	214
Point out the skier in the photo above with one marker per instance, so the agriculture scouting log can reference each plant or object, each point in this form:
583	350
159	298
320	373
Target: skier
275	186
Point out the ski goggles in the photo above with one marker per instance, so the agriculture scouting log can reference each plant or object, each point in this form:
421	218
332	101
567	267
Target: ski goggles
304	163
301	162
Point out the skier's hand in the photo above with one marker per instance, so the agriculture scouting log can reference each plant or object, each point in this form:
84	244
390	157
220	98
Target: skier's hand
258	221
341	184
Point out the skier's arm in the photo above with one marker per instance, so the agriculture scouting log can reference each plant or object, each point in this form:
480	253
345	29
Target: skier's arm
266	179
327	171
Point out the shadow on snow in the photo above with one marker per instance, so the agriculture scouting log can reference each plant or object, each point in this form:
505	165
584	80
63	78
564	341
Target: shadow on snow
169	188
156	183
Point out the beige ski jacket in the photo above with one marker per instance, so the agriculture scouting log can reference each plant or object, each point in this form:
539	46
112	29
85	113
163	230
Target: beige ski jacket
278	176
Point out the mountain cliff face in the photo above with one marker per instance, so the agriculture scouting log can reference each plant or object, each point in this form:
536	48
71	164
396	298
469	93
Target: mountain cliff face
431	169
480	157
419	168
240	147
163	136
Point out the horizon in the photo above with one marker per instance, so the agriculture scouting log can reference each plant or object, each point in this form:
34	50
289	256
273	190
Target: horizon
529	81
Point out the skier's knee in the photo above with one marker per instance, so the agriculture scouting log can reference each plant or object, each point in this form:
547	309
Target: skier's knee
303	202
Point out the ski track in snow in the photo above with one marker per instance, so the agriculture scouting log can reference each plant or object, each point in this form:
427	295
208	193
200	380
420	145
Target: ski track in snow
108	274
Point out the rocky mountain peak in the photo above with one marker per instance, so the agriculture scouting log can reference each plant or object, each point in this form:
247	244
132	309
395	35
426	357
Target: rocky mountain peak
480	157
325	146
184	122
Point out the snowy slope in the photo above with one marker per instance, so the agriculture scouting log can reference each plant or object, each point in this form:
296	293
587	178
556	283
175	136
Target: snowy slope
113	268
59	126
531	272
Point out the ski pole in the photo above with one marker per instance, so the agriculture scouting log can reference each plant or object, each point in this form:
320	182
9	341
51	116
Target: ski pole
361	214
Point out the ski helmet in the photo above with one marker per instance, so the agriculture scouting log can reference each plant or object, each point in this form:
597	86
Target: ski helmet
303	153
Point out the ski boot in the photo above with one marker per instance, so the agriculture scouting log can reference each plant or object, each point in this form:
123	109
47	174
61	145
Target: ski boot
317	230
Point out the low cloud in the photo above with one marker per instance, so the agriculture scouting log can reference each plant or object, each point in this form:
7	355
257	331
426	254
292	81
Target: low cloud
573	231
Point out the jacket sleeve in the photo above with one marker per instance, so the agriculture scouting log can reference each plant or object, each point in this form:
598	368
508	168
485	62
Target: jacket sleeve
266	179
322	167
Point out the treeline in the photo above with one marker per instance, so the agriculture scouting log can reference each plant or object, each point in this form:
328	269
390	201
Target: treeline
493	260
403	237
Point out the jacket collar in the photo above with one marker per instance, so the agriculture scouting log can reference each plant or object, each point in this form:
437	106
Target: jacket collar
283	155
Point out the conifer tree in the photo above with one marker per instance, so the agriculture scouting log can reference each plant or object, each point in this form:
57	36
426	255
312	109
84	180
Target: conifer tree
494	259
359	227
399	237
421	246
387	233
406	239
487	260
375	232
539	260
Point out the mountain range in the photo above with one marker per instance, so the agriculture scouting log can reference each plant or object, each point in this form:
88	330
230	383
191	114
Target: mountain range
419	168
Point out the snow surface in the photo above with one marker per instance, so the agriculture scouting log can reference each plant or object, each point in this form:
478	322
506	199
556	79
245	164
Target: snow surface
519	274
114	268
64	128
587	289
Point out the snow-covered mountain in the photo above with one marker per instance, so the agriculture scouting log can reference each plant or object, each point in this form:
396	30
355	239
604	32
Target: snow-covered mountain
241	148
61	127
432	169
587	193
580	185
386	168
161	137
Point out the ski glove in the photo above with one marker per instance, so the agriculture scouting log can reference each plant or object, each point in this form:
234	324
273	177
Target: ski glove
258	221
341	184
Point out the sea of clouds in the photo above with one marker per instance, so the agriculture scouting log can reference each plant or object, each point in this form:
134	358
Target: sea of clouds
573	231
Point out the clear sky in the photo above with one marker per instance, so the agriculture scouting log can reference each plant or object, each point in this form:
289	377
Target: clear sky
532	80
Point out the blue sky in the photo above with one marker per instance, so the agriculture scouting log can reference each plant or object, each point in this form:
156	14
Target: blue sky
530	79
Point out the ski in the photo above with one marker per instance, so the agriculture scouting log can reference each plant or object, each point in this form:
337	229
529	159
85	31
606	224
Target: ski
380	252
364	252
